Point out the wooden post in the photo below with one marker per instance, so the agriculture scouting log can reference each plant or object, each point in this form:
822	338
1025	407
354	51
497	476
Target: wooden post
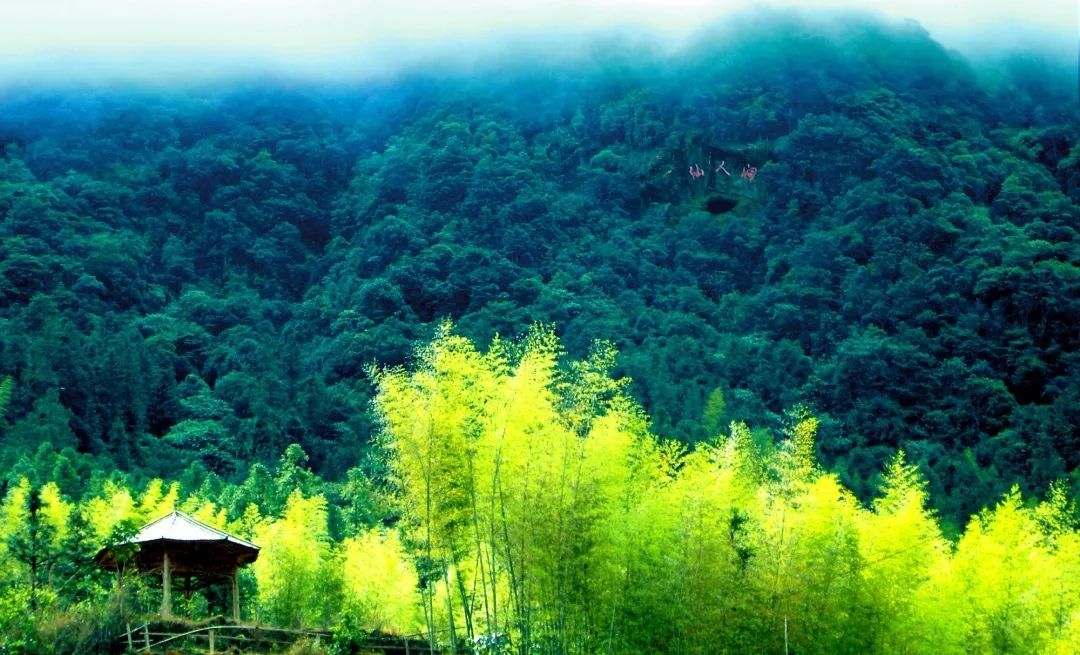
235	597
146	635
785	636
166	588
211	642
130	646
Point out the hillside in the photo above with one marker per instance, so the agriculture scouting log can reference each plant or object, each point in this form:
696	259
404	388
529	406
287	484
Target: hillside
191	280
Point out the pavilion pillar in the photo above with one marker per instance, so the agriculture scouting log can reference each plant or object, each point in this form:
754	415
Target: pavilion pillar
166	587
235	596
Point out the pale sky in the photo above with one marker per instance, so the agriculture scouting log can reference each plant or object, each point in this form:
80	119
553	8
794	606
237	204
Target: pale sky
73	35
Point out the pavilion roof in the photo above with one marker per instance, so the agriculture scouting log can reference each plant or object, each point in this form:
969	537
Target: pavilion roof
177	526
190	545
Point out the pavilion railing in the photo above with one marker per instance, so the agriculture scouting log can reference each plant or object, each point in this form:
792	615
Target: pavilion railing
144	639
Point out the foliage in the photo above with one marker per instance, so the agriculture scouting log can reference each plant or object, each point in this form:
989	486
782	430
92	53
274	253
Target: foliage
540	507
380	585
194	285
535	511
294	574
196	280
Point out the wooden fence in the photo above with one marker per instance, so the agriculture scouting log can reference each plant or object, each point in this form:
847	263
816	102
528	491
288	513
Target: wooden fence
148	639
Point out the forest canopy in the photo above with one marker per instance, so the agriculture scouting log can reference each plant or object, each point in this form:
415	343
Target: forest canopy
193	280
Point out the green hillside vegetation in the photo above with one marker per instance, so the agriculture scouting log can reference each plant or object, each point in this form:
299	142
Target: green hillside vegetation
195	280
213	297
537	511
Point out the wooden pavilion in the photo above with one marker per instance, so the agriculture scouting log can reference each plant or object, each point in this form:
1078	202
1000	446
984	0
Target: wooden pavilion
178	545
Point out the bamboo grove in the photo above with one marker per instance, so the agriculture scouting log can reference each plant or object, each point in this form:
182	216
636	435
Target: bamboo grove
529	509
544	513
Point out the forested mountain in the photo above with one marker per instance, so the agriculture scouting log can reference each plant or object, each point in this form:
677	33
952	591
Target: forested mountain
191	280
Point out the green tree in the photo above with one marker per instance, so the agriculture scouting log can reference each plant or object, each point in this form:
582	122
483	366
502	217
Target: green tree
299	584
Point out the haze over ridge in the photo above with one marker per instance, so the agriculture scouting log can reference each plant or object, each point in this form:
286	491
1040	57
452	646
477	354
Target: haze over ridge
128	40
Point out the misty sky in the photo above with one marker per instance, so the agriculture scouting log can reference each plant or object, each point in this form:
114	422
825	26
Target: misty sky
70	37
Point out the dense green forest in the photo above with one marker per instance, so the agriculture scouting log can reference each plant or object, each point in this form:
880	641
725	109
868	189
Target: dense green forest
202	285
198	279
536	513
